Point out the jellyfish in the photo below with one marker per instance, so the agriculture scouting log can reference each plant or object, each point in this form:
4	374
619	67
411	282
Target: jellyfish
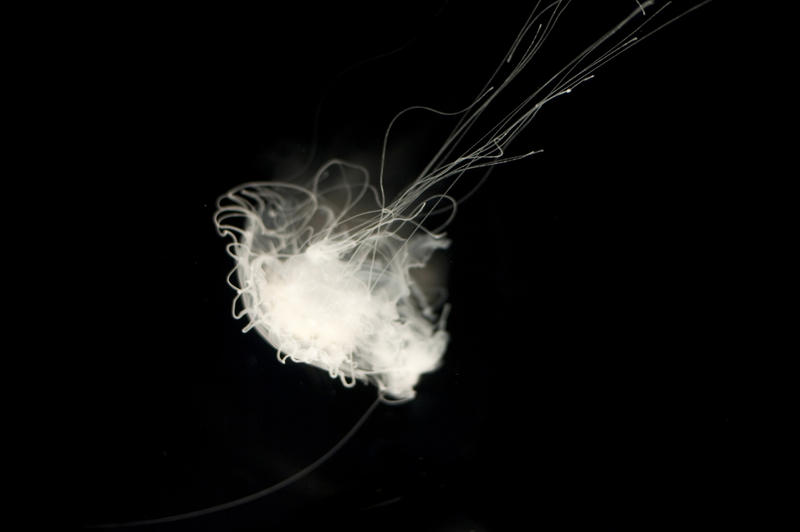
329	283
324	269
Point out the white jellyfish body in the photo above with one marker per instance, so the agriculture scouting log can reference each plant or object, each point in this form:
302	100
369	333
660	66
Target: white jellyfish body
329	286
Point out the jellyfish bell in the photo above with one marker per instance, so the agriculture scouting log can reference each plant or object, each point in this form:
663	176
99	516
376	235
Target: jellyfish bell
324	274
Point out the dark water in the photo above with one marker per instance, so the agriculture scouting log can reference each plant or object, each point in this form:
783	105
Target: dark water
594	373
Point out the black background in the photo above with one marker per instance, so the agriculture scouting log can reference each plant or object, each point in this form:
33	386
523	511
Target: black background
602	295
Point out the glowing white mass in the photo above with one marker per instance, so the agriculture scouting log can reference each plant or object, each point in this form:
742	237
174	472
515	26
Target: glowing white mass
328	283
